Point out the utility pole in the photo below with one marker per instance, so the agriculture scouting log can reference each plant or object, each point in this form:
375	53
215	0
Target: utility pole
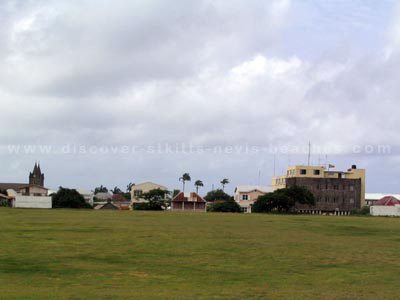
309	152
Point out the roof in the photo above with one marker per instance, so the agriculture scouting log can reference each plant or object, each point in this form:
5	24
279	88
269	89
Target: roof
2	196
149	182
13	186
119	198
188	197
106	205
251	188
377	196
387	201
103	196
17	186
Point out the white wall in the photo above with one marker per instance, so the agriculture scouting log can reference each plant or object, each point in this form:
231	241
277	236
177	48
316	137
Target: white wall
33	202
380	210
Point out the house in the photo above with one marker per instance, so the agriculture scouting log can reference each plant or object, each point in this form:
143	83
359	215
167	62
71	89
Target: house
387	206
108	205
335	192
29	195
121	202
88	196
372	198
139	189
102	197
246	195
186	201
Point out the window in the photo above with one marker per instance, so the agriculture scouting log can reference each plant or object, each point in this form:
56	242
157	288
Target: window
244	209
245	197
318	186
316	172
137	193
351	188
335	187
326	199
303	171
351	200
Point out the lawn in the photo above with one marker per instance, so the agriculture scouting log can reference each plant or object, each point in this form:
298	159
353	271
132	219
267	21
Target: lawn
87	254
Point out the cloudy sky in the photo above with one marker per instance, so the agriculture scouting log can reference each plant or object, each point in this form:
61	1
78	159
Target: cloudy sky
112	92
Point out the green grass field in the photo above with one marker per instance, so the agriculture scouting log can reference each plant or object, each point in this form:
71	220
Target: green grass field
86	254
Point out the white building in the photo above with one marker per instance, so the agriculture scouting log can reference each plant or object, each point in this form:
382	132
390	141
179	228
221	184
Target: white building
386	211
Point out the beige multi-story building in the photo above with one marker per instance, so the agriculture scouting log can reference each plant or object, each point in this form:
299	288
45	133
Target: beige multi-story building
246	195
333	190
139	189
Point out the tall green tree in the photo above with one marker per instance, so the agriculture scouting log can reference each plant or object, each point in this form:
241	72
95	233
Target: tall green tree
100	189
129	187
116	190
224	182
197	184
185	177
68	198
283	200
216	195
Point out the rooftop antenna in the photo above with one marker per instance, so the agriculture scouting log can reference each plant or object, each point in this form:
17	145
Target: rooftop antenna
259	175
274	164
309	152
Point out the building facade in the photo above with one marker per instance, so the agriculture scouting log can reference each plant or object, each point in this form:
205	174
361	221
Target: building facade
246	195
139	189
334	191
29	195
186	201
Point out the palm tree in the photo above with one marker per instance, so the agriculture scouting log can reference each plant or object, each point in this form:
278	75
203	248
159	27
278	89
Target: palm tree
198	183
223	182
185	177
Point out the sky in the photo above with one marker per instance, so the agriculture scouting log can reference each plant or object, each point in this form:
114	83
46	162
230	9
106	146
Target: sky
110	93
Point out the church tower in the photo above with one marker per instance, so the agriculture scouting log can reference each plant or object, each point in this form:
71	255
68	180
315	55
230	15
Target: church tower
36	177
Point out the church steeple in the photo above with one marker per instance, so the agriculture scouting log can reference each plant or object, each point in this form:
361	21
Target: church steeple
36	177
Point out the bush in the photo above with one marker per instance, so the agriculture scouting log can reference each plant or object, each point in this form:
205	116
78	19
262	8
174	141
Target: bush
364	211
225	206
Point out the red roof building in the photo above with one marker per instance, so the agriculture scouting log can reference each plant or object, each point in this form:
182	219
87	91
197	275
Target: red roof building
387	201
188	202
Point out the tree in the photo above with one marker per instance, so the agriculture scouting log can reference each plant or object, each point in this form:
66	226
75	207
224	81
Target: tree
129	187
298	194
198	183
224	182
225	206
116	190
217	195
175	193
100	189
156	200
68	198
283	200
185	177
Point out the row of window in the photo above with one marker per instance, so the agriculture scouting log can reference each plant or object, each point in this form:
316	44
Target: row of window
328	199
330	187
137	193
315	172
